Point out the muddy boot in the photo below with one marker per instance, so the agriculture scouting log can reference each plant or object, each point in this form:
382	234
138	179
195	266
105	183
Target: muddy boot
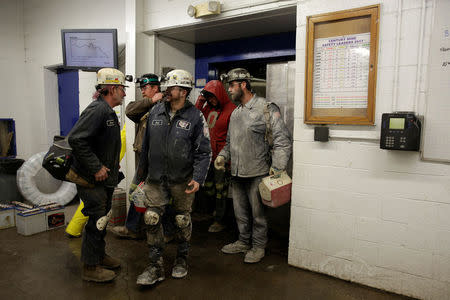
179	268
153	273
110	262
97	274
236	247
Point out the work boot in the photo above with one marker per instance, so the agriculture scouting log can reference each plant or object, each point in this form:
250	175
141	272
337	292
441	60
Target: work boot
216	227
236	247
124	232
179	269
254	255
153	273
110	262
97	274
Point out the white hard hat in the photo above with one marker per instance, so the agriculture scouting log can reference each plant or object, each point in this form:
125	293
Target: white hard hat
179	77
110	76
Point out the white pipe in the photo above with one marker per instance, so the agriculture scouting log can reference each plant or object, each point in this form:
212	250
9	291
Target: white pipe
397	56
352	134
419	57
130	68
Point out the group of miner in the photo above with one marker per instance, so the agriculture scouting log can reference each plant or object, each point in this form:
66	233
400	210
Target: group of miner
182	148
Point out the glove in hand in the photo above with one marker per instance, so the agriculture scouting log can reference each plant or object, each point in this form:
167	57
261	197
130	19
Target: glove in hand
132	188
219	163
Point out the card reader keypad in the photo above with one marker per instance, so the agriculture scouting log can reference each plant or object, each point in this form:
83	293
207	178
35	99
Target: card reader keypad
390	141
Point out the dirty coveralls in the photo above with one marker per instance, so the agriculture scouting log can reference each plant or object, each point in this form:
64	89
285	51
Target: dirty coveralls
251	159
95	142
138	111
175	150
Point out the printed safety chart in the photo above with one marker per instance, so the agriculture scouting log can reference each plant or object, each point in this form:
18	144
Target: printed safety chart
341	71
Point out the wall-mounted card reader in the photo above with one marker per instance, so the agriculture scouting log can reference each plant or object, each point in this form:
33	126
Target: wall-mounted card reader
400	131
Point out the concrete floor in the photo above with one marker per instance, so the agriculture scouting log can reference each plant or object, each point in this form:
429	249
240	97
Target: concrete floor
46	266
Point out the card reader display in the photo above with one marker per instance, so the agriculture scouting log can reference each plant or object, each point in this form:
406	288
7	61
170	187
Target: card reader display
400	131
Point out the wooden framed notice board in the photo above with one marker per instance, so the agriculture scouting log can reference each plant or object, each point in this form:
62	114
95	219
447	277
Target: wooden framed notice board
341	67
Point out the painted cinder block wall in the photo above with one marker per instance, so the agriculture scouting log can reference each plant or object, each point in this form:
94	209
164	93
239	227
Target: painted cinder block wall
376	217
32	41
360	213
12	69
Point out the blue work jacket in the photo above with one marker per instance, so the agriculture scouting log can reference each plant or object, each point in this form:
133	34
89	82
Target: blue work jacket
175	150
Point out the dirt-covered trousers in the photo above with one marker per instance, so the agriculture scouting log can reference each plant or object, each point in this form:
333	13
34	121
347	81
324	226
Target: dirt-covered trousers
97	203
158	196
249	211
216	186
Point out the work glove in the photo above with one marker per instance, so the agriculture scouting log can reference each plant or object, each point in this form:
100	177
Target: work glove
132	189
275	171
219	163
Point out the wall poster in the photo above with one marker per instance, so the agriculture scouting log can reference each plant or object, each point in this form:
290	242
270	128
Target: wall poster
341	67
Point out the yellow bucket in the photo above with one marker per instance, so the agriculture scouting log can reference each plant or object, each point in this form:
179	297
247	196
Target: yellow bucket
77	223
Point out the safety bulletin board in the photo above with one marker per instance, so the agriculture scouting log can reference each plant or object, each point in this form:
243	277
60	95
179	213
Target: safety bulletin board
341	67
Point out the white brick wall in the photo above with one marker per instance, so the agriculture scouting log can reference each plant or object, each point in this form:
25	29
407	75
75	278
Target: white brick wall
31	44
86	83
12	69
380	218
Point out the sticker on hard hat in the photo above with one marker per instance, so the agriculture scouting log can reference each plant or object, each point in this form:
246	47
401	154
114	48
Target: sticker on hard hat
183	124
112	80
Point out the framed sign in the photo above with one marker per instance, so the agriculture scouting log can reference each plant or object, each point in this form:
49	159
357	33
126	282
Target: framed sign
341	67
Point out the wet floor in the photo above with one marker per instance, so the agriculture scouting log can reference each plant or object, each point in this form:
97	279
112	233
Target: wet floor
46	266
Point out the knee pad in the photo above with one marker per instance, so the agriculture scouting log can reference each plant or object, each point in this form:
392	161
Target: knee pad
151	217
103	221
183	221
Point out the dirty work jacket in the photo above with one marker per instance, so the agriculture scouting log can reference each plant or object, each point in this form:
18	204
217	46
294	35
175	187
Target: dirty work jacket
174	150
246	145
218	117
137	111
95	141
